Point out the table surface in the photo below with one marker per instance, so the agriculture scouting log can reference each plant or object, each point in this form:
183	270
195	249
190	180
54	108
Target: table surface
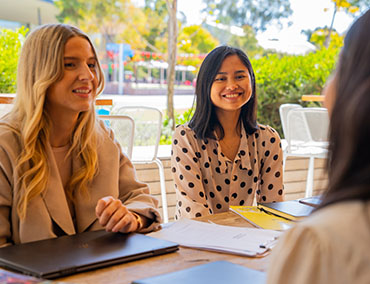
183	258
8	99
312	98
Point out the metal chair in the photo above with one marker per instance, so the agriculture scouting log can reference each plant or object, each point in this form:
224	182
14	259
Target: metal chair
148	129
307	136
123	127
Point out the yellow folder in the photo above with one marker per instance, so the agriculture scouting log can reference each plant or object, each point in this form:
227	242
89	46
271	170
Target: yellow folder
261	219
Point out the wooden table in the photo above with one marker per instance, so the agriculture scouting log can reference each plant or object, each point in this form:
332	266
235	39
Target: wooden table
8	99
312	98
183	258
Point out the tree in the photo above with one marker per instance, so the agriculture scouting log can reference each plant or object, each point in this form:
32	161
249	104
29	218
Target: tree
172	52
195	40
350	7
319	35
247	42
118	21
256	14
10	46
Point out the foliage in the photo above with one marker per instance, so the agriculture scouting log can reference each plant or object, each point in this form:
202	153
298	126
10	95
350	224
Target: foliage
248	42
116	20
166	138
285	79
10	45
318	38
257	14
351	6
194	40
281	79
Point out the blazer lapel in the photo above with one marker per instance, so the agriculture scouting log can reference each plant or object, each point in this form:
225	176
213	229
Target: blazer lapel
85	203
55	198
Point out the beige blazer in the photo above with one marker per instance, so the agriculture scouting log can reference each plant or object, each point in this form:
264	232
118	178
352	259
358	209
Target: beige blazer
116	177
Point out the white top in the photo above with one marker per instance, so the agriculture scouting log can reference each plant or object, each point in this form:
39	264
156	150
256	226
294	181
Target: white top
331	246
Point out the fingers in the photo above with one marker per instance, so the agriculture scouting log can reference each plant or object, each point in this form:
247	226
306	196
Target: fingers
102	204
126	224
114	216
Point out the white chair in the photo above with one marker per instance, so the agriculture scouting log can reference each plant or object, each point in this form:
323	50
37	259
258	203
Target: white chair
283	112
5	108
307	136
123	127
148	129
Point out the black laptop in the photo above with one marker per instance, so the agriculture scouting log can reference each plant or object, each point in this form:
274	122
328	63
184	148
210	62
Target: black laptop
66	255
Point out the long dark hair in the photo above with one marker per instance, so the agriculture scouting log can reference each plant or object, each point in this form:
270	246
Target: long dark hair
349	153
204	120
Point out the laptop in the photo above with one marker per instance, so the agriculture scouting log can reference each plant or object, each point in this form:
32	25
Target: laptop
67	255
218	272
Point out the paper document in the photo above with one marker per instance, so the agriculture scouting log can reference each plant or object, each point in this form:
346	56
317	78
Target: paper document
236	240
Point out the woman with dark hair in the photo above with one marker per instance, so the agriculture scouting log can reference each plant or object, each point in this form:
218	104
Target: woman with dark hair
223	157
333	244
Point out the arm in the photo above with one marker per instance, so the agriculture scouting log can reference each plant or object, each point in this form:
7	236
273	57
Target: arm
134	209
187	175
272	187
6	193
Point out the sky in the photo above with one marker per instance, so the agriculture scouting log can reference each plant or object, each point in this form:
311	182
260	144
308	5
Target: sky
307	14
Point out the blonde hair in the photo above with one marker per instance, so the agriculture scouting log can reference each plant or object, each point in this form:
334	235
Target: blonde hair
41	64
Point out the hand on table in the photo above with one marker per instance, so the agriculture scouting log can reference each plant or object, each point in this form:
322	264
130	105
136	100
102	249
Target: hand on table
114	216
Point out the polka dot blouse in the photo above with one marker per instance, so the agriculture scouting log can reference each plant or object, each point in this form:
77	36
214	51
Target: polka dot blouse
207	182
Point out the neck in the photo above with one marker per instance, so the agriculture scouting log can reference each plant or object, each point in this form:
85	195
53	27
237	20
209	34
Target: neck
62	127
230	123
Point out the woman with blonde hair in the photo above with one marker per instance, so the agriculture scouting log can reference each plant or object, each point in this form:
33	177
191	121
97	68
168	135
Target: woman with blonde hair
61	171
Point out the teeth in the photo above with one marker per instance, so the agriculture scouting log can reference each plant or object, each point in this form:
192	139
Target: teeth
81	91
231	96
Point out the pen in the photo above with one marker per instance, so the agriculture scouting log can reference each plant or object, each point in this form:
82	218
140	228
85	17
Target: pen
268	244
270	213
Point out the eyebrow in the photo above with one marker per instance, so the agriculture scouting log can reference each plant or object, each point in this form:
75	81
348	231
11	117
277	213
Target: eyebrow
77	58
236	72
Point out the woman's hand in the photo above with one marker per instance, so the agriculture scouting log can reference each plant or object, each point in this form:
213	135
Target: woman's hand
114	216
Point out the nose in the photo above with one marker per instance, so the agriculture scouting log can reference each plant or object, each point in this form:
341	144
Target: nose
85	74
231	85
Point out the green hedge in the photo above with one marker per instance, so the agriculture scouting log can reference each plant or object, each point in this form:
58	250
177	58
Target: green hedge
10	44
281	79
284	79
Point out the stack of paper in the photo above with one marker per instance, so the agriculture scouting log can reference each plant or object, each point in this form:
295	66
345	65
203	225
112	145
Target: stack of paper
236	240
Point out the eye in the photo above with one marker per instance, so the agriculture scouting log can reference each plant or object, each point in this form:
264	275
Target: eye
69	65
220	79
92	65
240	77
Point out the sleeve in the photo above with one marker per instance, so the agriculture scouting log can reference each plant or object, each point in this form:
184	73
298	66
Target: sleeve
135	194
271	171
5	199
301	256
187	175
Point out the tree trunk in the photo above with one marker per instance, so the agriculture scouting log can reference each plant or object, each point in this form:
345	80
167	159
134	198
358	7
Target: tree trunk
327	39
172	54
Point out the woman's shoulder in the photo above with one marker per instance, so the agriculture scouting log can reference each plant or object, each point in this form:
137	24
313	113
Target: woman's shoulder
265	132
8	133
183	130
348	212
323	223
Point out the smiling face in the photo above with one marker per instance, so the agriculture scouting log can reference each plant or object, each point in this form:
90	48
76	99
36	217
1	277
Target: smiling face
231	88
76	91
